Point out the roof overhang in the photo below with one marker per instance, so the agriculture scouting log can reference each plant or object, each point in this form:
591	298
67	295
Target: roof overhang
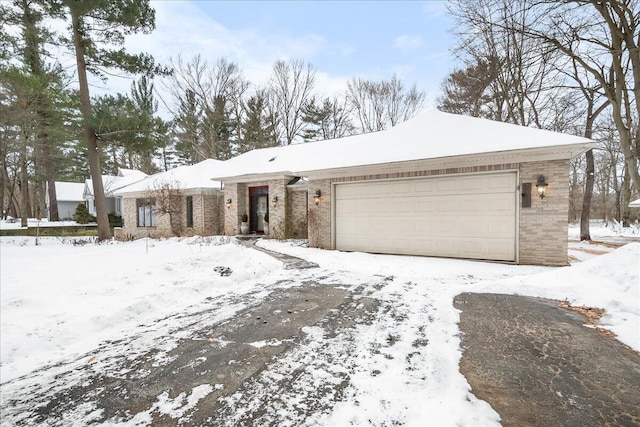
183	191
481	159
254	177
556	152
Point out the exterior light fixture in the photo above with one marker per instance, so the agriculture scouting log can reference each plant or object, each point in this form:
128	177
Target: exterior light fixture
316	197
229	201
275	201
541	185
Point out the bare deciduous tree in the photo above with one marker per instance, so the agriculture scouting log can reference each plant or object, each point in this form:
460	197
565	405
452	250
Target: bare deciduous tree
290	88
168	201
208	101
379	105
602	37
520	74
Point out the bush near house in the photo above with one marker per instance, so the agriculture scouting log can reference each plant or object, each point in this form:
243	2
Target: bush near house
82	215
115	220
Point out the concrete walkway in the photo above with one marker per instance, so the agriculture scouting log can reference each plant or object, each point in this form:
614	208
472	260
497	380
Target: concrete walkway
538	365
290	262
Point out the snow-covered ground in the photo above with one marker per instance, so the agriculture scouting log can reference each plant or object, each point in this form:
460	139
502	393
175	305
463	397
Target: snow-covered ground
60	302
34	222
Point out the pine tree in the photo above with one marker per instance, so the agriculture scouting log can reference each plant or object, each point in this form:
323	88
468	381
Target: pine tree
98	30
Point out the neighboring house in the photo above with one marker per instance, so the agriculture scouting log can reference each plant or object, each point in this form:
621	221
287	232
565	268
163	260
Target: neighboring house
111	184
69	196
437	185
635	204
183	201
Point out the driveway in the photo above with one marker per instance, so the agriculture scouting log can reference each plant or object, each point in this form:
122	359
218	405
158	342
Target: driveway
347	343
538	365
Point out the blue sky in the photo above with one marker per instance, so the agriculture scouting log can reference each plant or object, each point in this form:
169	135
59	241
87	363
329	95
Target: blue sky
371	39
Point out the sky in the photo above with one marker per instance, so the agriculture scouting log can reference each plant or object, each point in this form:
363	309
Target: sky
342	39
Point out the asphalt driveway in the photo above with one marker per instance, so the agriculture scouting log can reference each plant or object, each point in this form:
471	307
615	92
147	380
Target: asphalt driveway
538	364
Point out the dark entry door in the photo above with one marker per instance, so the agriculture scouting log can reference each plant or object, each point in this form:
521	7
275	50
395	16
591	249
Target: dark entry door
259	198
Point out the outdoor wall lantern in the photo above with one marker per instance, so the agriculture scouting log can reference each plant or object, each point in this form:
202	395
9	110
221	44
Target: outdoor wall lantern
275	201
316	197
229	201
541	185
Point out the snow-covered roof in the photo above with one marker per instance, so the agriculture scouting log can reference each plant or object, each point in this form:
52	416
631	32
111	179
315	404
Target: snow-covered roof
113	183
185	177
635	204
69	191
430	135
131	172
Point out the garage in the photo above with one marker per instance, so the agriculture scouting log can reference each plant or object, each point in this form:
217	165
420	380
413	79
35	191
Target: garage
463	216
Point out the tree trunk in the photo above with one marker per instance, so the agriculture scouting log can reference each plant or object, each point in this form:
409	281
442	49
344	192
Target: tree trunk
50	178
25	208
586	200
104	232
10	187
625	196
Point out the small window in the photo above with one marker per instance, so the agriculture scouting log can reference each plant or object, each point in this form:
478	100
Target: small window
146	212
189	211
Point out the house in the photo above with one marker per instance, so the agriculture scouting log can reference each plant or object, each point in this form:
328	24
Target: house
183	201
438	185
111	184
635	204
69	196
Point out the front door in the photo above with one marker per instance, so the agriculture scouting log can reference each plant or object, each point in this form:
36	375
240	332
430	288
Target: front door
259	197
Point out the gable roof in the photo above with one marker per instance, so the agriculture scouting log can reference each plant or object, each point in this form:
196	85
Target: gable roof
69	191
185	177
113	183
430	135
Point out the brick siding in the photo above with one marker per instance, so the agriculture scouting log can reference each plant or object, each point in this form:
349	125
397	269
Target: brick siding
297	214
542	229
543	226
320	214
206	218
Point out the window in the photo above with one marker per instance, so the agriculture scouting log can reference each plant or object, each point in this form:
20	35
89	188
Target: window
189	211
146	212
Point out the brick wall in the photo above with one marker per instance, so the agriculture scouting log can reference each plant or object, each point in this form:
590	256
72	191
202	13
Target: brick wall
278	211
233	214
297	214
543	226
206	218
130	229
239	193
320	215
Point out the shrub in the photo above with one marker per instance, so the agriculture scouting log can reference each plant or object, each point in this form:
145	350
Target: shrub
245	218
266	217
82	215
115	220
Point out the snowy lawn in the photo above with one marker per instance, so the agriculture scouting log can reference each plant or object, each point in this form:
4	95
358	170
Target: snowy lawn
60	302
33	222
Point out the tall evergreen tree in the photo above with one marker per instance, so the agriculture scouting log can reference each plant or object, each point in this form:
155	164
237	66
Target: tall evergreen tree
98	30
41	85
327	119
256	129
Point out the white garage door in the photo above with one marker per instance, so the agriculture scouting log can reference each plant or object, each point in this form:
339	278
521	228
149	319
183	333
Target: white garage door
470	216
